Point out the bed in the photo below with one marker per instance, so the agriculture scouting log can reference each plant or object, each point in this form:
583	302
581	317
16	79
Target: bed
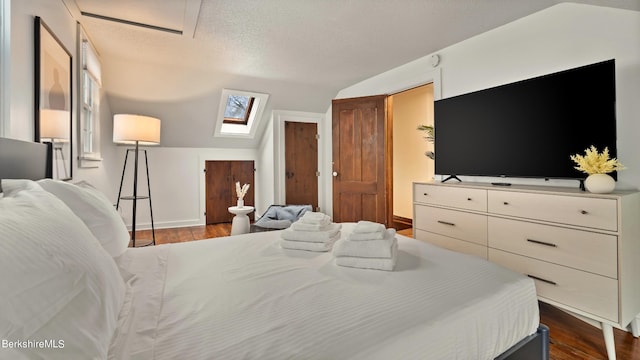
238	297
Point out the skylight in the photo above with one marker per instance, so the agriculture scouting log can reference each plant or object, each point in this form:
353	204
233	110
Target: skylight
238	109
239	113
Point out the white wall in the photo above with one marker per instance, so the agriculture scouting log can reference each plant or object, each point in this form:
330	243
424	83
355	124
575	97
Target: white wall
561	37
177	179
177	183
63	25
558	38
20	124
178	96
265	185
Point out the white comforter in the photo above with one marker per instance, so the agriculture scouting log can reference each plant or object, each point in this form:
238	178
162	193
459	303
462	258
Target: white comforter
244	297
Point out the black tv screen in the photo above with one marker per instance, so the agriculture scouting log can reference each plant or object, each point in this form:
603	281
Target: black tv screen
528	128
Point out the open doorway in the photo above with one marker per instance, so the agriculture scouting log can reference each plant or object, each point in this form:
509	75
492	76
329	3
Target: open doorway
378	153
411	108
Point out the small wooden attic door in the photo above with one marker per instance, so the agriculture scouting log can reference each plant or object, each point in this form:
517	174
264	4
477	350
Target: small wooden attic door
220	188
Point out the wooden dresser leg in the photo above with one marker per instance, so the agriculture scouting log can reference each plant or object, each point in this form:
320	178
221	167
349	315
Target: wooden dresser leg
635	327
607	331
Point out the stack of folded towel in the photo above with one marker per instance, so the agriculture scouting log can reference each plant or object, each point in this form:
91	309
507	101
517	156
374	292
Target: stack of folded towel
369	246
314	231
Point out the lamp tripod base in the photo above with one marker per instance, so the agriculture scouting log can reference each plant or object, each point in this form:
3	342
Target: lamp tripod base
137	242
141	243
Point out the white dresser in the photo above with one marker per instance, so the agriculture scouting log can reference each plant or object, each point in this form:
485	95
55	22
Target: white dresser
582	249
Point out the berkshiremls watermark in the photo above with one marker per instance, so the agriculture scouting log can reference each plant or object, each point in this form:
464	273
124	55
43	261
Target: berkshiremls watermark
32	344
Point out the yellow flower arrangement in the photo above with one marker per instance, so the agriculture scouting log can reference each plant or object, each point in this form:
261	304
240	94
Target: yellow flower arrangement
596	163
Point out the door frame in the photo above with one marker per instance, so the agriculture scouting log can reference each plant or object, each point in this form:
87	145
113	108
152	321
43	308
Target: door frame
279	118
383	157
297	161
373	86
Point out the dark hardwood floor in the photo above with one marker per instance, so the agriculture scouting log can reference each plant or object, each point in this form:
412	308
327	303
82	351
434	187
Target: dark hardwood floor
571	338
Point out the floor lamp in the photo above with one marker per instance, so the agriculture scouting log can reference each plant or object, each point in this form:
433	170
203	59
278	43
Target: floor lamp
55	127
136	130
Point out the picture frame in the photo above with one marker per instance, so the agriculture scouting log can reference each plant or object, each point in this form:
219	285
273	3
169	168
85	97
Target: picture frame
53	103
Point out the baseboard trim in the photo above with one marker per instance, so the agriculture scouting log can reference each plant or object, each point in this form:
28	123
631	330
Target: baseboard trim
401	223
166	224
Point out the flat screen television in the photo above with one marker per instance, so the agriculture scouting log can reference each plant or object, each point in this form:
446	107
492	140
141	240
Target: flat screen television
528	128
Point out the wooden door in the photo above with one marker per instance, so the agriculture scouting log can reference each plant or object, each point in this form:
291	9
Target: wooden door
217	191
361	160
301	163
220	188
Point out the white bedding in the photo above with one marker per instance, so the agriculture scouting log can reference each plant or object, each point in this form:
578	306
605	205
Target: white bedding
244	297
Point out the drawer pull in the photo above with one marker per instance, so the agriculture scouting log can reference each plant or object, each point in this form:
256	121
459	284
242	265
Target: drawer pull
468	199
584	212
543	280
425	194
506	203
446	223
542	243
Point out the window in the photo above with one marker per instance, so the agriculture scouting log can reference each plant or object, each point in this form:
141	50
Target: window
240	113
238	109
90	111
89	124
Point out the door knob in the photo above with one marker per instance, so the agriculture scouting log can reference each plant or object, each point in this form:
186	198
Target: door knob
335	173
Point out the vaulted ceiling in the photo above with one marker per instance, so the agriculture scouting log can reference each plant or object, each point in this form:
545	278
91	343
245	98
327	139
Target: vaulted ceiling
172	58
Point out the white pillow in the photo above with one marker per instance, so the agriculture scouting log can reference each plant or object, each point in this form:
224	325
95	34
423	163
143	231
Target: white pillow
56	281
95	210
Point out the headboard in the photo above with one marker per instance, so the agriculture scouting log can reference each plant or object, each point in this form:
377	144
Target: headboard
24	159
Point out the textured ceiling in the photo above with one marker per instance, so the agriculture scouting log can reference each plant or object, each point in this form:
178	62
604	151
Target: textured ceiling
299	51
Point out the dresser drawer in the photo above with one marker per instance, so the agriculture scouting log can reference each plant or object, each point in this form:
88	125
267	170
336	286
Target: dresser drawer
583	250
446	242
458	197
594	294
456	224
589	212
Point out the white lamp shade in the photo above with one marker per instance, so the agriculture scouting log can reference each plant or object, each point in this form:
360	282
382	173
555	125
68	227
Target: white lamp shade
127	129
55	124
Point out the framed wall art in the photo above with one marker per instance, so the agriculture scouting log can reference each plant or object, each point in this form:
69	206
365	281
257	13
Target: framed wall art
53	102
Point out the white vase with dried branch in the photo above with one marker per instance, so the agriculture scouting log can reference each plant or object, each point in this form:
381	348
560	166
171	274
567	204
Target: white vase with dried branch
241	191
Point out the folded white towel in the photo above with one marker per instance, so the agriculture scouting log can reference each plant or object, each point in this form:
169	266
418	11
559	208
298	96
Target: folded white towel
311	236
309	246
368	227
367	249
317	218
301	226
369	263
378	235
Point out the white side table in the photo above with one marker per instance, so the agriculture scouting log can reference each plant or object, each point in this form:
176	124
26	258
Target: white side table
240	224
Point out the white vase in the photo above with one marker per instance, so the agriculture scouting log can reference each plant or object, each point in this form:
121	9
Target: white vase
240	203
599	183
